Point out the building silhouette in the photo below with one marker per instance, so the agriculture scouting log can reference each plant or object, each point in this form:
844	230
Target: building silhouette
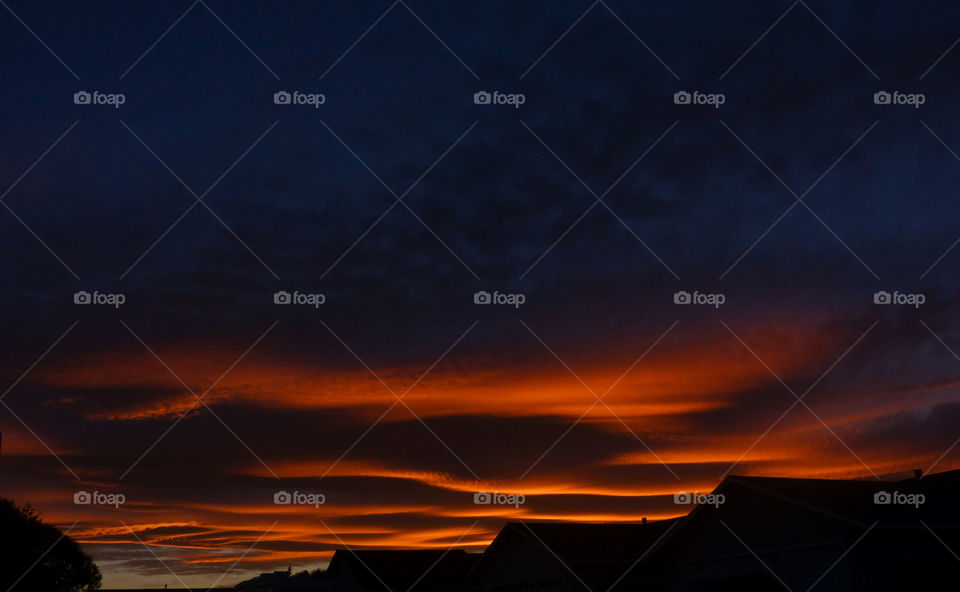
749	534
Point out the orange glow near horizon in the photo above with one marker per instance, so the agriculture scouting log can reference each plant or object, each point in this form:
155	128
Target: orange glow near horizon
658	400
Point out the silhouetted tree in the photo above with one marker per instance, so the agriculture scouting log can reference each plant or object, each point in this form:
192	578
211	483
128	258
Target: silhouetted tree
35	555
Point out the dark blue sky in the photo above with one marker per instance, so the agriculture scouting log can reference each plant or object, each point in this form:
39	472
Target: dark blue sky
495	198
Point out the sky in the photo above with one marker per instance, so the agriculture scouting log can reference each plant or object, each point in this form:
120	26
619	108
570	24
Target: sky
787	199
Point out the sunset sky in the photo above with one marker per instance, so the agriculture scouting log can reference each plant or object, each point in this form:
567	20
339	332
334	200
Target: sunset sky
398	199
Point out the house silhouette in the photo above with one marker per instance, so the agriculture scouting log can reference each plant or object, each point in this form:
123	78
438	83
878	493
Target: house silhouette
769	533
782	533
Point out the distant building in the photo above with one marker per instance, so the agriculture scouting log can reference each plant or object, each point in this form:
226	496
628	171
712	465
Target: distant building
400	571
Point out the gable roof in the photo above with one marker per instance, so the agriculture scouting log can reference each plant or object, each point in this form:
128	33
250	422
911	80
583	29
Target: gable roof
845	500
852	501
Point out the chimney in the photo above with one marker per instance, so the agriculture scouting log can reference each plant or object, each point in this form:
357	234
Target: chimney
917	473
